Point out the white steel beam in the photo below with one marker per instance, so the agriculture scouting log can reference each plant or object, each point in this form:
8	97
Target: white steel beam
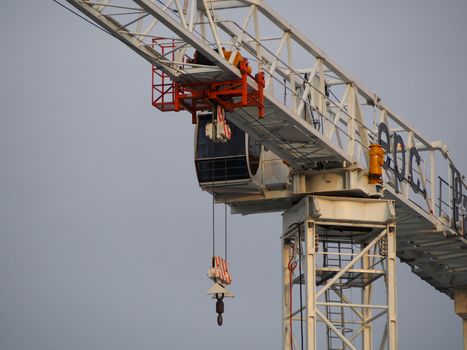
311	216
392	287
286	295
310	265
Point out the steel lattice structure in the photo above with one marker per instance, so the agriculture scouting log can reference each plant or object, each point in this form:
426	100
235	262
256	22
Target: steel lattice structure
315	113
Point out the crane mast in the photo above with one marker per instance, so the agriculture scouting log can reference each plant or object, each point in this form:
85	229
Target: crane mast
339	227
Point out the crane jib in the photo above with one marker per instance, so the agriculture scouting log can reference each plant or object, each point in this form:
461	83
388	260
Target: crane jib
311	146
402	167
317	117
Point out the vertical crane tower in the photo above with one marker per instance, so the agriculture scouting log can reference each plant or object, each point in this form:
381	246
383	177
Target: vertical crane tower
342	230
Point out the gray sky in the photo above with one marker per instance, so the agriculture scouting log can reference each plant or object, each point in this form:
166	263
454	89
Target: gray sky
104	233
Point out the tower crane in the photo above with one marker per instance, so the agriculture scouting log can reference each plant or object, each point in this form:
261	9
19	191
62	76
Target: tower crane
279	126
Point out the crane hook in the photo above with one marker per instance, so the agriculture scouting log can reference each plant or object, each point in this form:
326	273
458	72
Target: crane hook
219	307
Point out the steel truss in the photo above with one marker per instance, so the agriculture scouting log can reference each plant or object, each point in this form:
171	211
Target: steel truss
339	299
315	113
315	85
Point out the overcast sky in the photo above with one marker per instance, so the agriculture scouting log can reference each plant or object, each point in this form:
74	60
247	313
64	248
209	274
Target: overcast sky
104	232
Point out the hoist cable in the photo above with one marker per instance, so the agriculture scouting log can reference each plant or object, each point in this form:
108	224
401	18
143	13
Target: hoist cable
213	229
225	199
225	230
142	53
213	200
291	267
82	17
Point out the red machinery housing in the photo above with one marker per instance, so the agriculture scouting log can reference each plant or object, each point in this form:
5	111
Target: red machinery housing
169	95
